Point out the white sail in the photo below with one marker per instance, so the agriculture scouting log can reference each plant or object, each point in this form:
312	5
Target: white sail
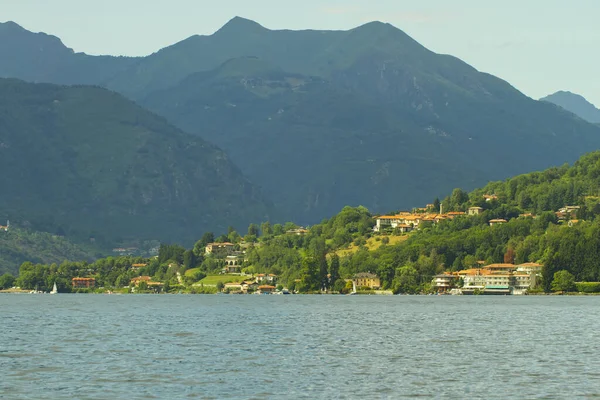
54	289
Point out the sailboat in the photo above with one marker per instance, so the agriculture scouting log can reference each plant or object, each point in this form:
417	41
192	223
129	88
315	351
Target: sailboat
353	288
54	289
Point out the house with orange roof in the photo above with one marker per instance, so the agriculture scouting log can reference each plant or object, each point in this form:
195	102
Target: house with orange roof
495	268
497	221
490	197
264	289
83	283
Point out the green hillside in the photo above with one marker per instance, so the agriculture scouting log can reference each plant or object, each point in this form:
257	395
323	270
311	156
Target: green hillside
535	231
88	163
19	245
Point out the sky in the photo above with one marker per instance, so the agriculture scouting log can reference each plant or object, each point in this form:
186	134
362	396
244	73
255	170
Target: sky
539	46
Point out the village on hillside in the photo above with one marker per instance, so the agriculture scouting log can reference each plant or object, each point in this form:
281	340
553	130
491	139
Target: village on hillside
236	275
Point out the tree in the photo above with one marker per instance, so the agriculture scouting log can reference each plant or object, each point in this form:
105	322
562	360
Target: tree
170	252
265	229
278	230
509	256
334	268
436	205
406	280
200	245
234	237
222	239
340	286
6	281
253	230
220	286
189	259
563	281
458	198
310	274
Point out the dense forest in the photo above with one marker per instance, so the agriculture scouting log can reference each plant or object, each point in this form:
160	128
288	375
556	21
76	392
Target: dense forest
345	244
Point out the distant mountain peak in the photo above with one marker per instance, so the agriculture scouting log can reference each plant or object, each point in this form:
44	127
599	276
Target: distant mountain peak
378	33
576	104
11	26
241	26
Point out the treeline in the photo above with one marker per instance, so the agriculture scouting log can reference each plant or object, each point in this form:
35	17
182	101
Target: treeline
308	261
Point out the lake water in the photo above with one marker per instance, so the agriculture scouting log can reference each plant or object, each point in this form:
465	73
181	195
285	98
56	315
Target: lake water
312	347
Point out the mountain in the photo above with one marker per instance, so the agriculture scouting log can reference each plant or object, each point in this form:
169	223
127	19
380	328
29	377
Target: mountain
19	245
576	104
87	162
374	119
38	57
367	116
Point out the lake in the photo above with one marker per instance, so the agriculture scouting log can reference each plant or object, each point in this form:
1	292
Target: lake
307	347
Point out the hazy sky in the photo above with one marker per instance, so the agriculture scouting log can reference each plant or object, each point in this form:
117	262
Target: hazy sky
539	46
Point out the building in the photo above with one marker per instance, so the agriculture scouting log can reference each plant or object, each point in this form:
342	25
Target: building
298	231
156	286
233	264
266	289
389	221
249	286
529	268
499	268
233	287
219	249
527	215
139	279
500	278
490	197
367	279
444	282
573	222
498	221
138	266
475	210
83	283
271	278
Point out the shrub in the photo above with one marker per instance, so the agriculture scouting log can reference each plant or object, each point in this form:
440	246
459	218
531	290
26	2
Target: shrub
588	287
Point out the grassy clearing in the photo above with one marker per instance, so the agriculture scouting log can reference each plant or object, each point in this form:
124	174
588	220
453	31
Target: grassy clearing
372	244
212	280
191	271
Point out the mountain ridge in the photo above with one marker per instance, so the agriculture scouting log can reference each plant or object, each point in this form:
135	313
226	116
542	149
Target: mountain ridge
364	116
576	104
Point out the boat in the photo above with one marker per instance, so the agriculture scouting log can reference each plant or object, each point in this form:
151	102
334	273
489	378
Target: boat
285	291
54	289
353	289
